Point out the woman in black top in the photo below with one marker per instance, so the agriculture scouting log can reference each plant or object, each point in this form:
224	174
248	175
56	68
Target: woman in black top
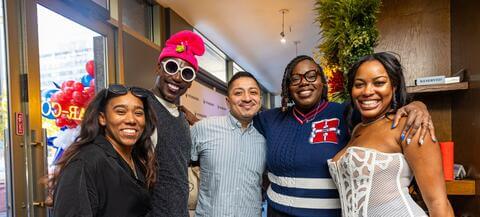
109	169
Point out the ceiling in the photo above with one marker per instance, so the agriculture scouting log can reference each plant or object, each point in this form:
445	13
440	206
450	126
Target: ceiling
248	31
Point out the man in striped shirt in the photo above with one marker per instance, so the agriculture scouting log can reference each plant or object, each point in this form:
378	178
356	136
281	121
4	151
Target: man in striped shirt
231	153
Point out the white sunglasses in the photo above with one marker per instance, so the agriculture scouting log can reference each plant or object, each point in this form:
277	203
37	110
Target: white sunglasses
172	67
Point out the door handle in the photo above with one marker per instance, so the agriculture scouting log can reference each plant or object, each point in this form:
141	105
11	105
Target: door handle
36	144
39	203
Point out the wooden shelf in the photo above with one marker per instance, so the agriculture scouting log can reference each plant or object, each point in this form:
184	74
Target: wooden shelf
461	187
437	87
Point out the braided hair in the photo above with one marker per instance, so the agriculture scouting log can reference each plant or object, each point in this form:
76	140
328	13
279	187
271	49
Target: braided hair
286	96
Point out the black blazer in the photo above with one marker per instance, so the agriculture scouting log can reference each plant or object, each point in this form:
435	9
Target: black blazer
98	182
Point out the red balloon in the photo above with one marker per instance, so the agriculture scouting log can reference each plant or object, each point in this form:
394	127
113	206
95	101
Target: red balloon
68	92
59	96
85	94
90	91
78	86
92	82
68	83
60	121
71	124
77	97
90	67
73	102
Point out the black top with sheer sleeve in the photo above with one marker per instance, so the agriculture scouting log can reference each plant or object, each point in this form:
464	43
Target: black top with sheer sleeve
98	182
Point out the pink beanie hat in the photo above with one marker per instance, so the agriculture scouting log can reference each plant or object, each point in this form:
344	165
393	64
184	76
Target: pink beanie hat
184	45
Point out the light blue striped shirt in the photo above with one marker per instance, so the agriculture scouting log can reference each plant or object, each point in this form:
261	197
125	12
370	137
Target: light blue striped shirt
232	162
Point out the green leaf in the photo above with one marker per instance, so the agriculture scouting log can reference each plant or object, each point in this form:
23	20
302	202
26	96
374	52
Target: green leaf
348	29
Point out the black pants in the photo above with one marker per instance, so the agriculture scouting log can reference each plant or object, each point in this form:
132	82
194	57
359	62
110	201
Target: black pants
274	213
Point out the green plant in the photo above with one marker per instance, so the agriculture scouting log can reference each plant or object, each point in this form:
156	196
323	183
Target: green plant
348	29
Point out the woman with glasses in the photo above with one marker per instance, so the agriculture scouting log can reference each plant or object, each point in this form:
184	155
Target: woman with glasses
109	169
301	137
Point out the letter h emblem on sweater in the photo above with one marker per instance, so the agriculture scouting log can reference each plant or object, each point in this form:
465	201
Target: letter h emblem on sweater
325	131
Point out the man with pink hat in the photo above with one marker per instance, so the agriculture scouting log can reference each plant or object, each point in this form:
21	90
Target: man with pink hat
176	69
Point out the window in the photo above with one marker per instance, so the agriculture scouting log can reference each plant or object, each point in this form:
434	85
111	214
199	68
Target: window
265	99
137	14
214	60
237	68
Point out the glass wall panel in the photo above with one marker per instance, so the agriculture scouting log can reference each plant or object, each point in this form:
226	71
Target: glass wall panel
214	60
137	14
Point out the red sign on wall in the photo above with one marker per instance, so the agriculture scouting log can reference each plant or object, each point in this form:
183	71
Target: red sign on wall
20	126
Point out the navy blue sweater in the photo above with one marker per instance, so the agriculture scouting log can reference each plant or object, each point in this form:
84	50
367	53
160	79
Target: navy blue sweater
298	146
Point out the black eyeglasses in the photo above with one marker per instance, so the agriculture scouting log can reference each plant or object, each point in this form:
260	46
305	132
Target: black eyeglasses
310	76
172	67
120	89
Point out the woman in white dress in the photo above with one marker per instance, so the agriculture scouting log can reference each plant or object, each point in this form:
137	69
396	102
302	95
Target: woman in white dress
374	170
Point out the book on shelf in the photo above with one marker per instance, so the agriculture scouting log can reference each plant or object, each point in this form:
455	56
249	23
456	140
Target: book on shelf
430	80
440	79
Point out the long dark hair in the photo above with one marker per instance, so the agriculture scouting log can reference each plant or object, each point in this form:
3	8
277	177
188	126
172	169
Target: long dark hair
395	74
90	129
286	96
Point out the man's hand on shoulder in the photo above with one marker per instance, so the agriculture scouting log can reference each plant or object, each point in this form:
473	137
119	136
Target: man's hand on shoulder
191	118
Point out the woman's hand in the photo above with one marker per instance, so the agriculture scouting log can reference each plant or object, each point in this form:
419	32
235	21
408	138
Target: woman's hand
418	118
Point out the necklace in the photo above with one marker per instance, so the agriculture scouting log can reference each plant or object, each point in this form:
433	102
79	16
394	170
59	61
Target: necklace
356	134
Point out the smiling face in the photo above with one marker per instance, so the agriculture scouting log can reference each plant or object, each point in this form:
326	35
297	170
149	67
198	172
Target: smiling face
124	120
171	87
306	94
372	90
243	99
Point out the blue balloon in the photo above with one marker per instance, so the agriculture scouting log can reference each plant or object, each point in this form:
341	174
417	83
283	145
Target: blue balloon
86	80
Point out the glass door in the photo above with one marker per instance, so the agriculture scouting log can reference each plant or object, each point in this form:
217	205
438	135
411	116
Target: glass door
72	63
59	54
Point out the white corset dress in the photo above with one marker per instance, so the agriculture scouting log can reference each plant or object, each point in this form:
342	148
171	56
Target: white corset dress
373	183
